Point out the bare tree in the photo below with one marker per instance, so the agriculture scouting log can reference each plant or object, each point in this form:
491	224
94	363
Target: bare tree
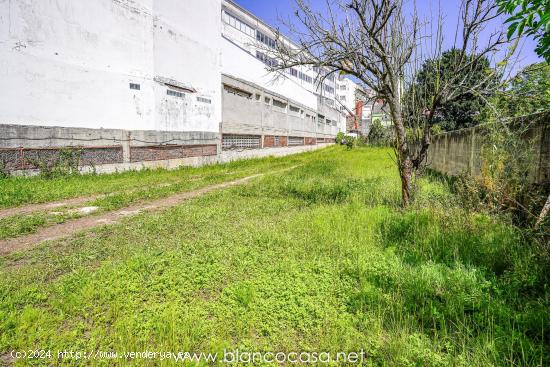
376	42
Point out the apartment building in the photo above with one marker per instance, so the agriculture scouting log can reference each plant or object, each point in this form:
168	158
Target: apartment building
354	102
148	83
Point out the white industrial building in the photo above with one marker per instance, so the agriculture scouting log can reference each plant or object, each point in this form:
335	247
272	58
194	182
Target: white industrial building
133	81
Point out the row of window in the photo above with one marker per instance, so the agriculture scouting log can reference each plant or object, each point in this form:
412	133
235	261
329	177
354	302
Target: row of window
239	24
328	88
300	75
269	61
281	105
265	39
246	29
173	93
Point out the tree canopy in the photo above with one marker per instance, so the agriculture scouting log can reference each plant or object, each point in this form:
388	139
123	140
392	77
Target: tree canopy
471	92
528	92
531	17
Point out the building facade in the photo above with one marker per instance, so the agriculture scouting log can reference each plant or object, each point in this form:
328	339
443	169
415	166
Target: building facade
262	109
355	104
132	81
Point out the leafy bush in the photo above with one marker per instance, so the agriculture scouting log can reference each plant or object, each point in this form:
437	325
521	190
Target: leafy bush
339	137
378	134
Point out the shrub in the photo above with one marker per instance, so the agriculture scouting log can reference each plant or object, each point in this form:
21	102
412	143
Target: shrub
65	164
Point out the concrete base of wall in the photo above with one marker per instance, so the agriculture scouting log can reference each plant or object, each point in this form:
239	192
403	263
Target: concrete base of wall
233	155
224	157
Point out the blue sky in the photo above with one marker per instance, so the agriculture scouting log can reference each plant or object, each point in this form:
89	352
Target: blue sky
271	10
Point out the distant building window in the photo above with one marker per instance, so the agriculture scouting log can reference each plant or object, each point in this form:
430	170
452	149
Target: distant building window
267	100
237	23
328	122
240	141
279	104
174	93
320	119
258	97
269	61
135	86
306	78
266	40
204	100
277	141
294	140
328	89
293	72
294	109
237	91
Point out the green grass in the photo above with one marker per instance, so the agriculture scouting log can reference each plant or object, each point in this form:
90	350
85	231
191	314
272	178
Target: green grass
16	191
320	258
119	190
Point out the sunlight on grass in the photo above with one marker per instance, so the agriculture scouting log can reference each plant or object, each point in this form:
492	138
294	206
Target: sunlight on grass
321	257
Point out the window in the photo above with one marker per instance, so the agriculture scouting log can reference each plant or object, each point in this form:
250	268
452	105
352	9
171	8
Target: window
204	100
293	72
279	104
269	61
277	141
267	100
328	122
320	119
295	140
238	24
306	78
328	89
175	93
343	87
237	91
240	141
294	109
258	97
135	86
266	40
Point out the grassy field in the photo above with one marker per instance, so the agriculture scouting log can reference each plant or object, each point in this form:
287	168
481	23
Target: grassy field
318	258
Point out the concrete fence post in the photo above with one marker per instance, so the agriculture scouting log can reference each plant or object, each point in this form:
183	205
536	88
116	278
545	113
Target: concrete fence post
125	142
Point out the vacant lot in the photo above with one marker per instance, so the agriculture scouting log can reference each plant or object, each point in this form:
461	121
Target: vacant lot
319	257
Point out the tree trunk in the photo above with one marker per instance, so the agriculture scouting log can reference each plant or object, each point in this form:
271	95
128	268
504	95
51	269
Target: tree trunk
405	163
406	180
543	212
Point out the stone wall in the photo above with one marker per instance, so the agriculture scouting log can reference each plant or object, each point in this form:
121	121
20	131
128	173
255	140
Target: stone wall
459	152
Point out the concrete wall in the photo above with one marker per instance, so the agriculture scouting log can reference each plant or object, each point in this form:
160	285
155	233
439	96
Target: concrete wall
249	113
28	147
69	63
459	152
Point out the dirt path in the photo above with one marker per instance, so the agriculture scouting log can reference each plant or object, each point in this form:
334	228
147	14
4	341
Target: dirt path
31	208
86	223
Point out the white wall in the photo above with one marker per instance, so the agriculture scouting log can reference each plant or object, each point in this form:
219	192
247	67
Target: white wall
69	63
238	63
